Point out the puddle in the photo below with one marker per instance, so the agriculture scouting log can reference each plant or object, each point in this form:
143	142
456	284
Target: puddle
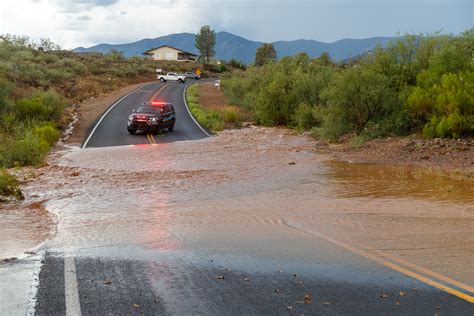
401	182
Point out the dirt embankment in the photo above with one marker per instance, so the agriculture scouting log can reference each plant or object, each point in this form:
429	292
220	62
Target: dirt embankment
443	154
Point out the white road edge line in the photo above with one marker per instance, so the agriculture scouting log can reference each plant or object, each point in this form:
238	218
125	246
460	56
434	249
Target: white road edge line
32	294
71	291
190	114
107	112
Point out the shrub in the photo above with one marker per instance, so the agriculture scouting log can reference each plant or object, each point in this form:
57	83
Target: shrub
304	117
47	133
446	109
46	106
9	186
357	99
236	64
230	114
27	150
8	122
219	68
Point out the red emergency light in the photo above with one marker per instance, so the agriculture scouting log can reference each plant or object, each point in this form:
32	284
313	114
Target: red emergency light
158	103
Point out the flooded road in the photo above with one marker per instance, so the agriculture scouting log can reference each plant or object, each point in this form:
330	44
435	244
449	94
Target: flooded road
259	200
23	226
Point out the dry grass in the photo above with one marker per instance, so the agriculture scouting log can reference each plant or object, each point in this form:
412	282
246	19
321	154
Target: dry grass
214	100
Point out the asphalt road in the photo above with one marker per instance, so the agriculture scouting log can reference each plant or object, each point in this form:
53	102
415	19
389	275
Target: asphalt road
112	128
169	285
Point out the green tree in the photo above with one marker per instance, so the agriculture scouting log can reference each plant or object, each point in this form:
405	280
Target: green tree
265	54
358	99
205	42
325	59
47	44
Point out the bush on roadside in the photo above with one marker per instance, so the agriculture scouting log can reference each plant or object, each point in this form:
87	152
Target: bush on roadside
305	117
47	133
27	150
230	114
9	186
358	100
44	106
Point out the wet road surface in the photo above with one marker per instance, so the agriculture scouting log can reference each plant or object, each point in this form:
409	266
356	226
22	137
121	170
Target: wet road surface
248	222
112	129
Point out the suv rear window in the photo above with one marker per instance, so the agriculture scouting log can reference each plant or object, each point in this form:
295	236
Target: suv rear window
148	109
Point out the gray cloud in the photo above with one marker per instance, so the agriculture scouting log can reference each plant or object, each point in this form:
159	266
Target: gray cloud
83	18
76	6
100	3
329	21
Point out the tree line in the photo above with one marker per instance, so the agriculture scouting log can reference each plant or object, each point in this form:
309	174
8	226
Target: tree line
417	84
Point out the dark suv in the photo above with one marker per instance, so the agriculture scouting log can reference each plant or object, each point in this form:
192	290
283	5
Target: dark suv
152	118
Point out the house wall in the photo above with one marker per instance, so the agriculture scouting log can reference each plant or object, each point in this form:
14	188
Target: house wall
165	53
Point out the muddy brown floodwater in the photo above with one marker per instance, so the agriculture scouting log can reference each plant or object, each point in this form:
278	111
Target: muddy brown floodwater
256	192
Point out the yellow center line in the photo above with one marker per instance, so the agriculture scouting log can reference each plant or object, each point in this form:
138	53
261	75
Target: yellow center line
151	139
153	97
393	266
438	276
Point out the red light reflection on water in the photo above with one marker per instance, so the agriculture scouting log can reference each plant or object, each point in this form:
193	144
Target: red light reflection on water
156	234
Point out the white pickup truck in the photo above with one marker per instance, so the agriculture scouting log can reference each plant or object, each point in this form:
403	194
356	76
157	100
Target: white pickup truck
171	76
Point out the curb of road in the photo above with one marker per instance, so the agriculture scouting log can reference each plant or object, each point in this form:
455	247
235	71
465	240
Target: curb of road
191	114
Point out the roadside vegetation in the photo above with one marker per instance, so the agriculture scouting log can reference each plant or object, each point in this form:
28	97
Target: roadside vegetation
9	185
211	108
418	84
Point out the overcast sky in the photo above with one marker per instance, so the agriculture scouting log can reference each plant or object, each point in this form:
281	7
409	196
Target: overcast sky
73	23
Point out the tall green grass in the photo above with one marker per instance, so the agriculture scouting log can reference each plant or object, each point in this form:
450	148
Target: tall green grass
209	119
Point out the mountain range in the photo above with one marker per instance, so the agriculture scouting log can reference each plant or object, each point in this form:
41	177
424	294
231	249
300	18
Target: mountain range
230	46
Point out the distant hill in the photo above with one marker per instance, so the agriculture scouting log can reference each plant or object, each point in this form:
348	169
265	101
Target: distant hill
230	46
